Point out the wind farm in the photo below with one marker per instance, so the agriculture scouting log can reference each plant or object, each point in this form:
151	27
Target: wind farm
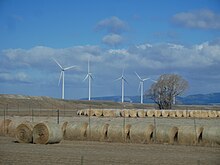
62	76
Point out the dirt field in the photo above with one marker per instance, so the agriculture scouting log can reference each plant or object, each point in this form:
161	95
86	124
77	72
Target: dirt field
95	153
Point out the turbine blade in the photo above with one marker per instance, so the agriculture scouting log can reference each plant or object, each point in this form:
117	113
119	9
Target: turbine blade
138	76
90	75
125	80
58	63
118	79
146	79
61	74
153	80
88	66
69	67
86	77
123	72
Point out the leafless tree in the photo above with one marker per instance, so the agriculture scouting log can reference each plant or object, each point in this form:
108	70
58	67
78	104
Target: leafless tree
164	91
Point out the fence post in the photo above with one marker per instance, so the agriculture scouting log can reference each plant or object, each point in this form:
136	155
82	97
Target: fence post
195	130
32	114
4	122
155	130
58	116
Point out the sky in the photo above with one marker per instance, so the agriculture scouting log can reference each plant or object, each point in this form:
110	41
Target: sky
148	37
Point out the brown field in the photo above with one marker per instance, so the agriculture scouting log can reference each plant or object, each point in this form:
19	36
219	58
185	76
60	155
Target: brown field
95	153
88	152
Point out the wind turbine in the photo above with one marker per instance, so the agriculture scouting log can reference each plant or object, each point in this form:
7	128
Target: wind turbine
123	80
62	75
141	85
89	77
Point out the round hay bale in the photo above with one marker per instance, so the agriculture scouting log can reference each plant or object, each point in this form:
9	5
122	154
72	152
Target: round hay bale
78	112
109	113
98	112
24	132
133	113
166	134
150	113
125	113
179	113
212	114
47	133
189	135
165	113
4	126
211	135
172	113
141	133
76	130
141	113
198	113
98	131
12	127
185	113
157	113
117	113
218	112
204	114
117	132
193	113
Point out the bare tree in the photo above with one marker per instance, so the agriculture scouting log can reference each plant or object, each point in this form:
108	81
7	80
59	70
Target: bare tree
164	91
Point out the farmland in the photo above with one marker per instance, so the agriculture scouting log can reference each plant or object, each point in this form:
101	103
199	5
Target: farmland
90	151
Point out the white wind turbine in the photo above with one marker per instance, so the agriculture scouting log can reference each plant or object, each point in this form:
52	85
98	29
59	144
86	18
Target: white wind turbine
141	85
89	77
123	80
62	75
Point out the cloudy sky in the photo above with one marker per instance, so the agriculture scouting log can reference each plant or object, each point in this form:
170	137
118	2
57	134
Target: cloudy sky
149	37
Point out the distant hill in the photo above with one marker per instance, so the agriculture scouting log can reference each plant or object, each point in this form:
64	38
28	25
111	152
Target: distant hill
198	99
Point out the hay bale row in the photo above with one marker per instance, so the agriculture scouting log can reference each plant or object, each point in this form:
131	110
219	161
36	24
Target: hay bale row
150	113
4	126
134	131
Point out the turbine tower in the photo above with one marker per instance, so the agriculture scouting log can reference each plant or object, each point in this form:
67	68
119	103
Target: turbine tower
89	77
62	73
141	85
123	80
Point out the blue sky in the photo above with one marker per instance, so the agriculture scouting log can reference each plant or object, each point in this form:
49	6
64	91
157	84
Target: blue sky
149	37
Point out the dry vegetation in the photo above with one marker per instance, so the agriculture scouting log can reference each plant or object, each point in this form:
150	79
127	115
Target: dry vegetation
143	140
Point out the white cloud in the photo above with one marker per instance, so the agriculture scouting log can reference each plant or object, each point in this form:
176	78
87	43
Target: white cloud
202	19
112	25
112	39
36	64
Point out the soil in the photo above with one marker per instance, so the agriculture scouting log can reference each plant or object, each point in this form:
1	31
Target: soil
95	153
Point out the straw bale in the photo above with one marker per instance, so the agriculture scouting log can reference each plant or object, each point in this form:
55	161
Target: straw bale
125	113
89	112
185	113
150	113
76	130
212	114
98	112
192	113
47	133
189	135
204	114
141	113
12	127
133	113
165	113
109	113
141	133
172	113
98	131
118	113
78	112
211	135
166	134
117	132
157	113
218	112
4	126
198	113
179	113
24	132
